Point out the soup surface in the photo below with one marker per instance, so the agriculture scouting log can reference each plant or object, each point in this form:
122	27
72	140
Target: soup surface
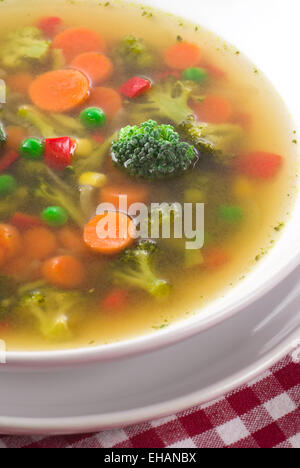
205	128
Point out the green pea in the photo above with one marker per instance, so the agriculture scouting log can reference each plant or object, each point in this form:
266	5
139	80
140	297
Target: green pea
199	75
231	214
32	148
93	117
8	185
55	216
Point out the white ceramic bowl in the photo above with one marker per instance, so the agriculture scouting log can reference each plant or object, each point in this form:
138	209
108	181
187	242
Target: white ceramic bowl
252	26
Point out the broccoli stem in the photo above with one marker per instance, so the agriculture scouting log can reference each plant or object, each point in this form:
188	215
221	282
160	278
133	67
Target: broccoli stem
36	118
96	159
155	287
67	123
51	125
27	287
54	196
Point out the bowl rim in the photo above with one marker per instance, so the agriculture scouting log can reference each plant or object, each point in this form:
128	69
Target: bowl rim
94	423
171	335
147	343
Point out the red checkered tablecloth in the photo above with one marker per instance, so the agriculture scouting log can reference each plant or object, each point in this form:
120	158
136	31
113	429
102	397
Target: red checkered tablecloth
263	414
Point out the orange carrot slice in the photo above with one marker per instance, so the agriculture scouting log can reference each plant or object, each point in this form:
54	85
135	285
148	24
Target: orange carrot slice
95	65
2	256
23	268
17	267
10	241
183	55
60	90
135	194
109	233
75	41
71	239
107	99
39	243
65	271
214	109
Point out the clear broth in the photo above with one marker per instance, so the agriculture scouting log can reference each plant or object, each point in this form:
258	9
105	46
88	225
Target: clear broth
271	130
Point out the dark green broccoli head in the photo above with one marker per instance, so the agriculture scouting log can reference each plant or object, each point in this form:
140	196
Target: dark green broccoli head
152	151
133	53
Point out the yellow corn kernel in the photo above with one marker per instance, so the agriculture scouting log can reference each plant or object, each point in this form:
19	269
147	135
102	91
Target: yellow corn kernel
84	147
194	196
243	188
95	179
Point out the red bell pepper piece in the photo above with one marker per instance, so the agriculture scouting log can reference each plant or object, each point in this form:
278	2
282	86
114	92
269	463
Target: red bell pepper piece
259	164
215	257
59	152
135	87
8	159
50	25
116	300
23	221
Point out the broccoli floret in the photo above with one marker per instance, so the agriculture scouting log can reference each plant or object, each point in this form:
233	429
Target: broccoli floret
55	312
152	151
218	143
2	135
50	195
24	48
133	53
165	101
134	269
49	189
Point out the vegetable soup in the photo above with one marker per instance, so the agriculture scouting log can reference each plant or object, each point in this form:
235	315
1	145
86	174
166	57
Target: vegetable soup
105	100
